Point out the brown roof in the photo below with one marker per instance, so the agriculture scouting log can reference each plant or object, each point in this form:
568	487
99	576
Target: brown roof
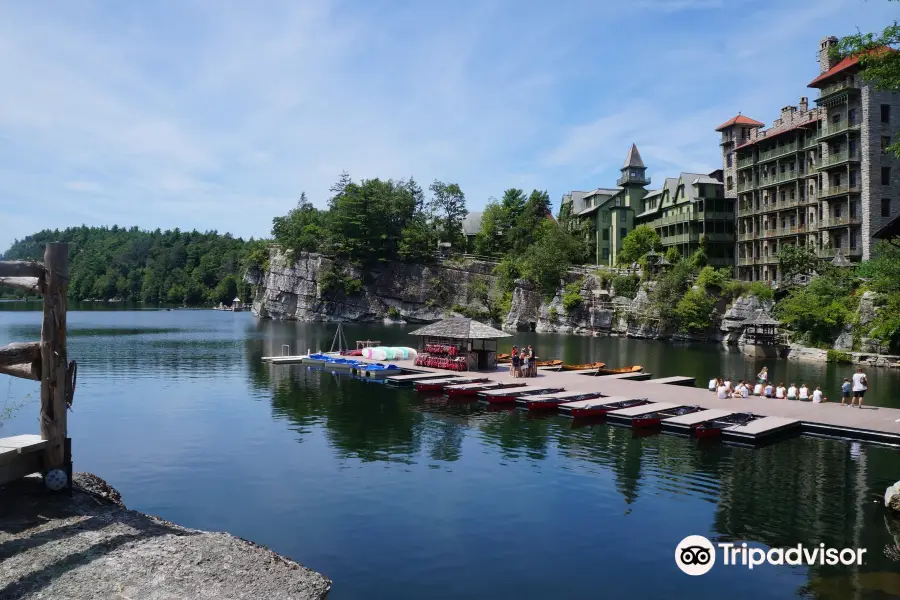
739	120
461	329
768	136
845	64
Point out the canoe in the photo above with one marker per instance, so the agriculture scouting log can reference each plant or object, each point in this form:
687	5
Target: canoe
631	369
549	363
596	365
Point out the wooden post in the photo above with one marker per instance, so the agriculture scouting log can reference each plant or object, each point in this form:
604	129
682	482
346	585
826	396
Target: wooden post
53	356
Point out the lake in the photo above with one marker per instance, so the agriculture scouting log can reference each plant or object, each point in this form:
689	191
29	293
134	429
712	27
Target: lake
396	496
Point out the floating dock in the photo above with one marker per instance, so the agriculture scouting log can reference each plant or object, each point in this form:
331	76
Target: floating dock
625	415
871	423
677	380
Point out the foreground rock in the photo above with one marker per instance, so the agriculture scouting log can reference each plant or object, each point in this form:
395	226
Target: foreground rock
91	546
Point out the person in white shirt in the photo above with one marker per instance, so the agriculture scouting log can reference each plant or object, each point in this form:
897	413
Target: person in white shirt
722	392
860	385
804	392
728	385
745	391
817	395
758	389
713	384
780	391
792	392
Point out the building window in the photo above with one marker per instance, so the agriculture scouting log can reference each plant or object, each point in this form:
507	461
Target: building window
885	113
728	159
885	142
885	176
606	235
853	238
730	183
851	116
623	232
885	207
700	206
792	194
837	211
836	119
605	253
852	178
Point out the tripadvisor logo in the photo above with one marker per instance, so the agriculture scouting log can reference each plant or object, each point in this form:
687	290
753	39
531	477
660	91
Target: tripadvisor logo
696	555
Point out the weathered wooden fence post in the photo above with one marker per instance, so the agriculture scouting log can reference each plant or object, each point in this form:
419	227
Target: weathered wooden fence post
54	362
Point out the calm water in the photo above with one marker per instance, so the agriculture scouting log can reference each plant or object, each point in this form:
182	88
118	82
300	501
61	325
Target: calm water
393	496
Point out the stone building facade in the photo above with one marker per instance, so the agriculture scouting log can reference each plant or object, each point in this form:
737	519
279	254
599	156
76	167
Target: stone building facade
819	176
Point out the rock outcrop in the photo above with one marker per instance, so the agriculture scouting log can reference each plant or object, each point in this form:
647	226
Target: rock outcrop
743	309
312	287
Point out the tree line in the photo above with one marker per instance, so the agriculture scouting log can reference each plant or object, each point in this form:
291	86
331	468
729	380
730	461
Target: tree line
130	264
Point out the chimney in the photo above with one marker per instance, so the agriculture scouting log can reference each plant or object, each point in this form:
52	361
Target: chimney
825	60
804	104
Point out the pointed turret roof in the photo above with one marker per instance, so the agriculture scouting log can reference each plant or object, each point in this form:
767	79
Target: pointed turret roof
634	158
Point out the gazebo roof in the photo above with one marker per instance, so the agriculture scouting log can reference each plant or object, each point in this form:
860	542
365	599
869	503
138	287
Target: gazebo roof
840	260
460	329
761	319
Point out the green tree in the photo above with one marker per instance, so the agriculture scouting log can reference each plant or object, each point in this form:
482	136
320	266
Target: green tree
694	311
797	259
547	261
301	229
878	58
819	310
639	241
489	241
526	224
449	207
672	255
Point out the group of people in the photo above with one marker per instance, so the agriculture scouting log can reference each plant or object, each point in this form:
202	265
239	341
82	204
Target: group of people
852	391
522	363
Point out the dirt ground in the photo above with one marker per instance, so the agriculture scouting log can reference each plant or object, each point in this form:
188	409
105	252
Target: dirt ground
90	546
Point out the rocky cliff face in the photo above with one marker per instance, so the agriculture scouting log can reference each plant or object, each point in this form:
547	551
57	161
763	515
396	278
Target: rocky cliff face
312	287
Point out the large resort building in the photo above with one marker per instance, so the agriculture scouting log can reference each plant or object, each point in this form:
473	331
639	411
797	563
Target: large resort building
819	176
687	211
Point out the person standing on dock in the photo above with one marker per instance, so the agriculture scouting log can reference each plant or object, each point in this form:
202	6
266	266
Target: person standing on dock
845	392
860	385
763	376
525	364
514	357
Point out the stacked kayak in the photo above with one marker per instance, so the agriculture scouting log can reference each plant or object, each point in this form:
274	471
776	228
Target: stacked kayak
389	353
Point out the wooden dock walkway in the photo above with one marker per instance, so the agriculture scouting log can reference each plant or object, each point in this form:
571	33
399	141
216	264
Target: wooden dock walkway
871	423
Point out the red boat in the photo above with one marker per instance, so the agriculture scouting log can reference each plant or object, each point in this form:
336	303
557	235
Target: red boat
600	409
436	385
510	396
705	431
655	419
472	389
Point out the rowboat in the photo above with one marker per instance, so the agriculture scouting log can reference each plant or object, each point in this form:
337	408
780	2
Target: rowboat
551	401
596	365
504	358
631	369
509	396
436	385
472	389
655	419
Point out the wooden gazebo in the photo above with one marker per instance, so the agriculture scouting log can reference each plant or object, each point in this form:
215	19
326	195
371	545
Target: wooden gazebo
461	337
761	335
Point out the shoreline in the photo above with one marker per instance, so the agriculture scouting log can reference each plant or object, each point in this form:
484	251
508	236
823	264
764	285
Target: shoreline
91	545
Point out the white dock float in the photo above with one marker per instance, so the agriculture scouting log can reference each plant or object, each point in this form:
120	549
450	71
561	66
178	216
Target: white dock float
677	380
759	429
570	409
284	360
644	409
685	422
638	376
528	389
417	377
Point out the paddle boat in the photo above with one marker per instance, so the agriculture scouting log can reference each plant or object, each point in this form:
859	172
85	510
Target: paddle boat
472	389
599	408
654	419
551	401
509	396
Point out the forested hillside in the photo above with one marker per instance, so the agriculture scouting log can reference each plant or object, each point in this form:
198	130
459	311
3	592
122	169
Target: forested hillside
177	267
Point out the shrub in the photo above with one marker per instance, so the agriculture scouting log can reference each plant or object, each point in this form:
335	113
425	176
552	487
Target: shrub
670	289
672	255
552	314
572	296
818	310
394	313
760	290
837	356
713	280
693	311
626	286
504	305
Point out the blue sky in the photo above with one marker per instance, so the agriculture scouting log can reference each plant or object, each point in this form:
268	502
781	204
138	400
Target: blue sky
217	115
